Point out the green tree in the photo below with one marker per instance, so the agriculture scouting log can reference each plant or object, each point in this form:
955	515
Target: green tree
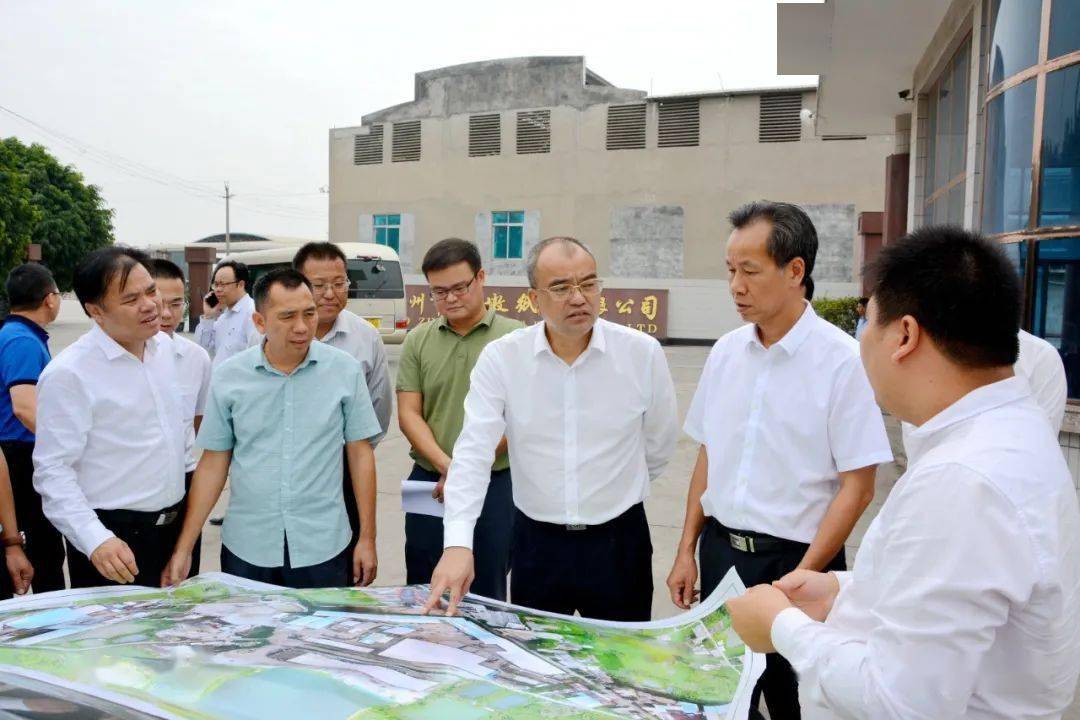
72	219
839	311
17	217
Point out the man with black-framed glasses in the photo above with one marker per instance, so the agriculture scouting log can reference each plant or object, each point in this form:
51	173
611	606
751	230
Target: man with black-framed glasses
433	379
226	327
588	410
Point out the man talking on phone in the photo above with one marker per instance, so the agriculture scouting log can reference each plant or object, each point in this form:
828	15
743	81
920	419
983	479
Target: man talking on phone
226	327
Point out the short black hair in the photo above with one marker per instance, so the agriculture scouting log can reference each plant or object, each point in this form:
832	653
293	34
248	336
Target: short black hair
28	285
95	271
318	251
959	286
449	252
165	270
288	278
792	235
864	301
240	271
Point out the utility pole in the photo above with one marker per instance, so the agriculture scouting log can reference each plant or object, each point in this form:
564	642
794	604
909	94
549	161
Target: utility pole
227	196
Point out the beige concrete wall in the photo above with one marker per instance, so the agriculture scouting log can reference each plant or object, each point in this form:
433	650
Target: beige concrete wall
575	186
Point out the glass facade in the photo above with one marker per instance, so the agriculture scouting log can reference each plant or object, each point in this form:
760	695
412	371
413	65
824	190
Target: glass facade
947	141
1031	178
1014	37
1059	196
1010	122
1056	302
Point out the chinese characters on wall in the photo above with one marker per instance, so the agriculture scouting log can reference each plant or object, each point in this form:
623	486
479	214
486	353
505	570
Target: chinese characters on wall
644	310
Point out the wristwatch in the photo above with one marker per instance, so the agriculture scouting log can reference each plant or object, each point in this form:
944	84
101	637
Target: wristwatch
13	540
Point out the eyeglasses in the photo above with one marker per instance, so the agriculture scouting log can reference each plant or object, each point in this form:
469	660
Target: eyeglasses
589	288
337	285
223	285
455	290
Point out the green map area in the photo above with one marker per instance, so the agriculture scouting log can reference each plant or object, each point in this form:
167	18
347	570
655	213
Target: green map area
220	647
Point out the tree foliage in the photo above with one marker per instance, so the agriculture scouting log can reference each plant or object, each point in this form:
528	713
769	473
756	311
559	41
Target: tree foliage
68	217
18	216
839	311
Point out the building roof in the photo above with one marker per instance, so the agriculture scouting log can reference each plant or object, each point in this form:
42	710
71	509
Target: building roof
731	93
505	84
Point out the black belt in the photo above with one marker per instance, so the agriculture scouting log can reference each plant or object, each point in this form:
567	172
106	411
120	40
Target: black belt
163	517
748	541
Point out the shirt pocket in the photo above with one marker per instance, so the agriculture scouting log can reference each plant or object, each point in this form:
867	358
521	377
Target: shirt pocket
189	395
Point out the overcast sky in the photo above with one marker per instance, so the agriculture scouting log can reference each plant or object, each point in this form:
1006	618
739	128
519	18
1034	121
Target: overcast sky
160	102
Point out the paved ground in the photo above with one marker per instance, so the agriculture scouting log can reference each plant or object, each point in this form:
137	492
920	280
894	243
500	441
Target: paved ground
665	507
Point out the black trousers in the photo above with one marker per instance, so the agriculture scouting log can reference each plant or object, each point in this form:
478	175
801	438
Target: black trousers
44	543
778	683
334	572
151	543
196	552
350	505
491	538
602	571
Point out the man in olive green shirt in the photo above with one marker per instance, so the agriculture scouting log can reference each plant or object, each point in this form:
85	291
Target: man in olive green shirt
432	382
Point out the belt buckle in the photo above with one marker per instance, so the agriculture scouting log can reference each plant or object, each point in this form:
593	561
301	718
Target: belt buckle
166	518
576	527
744	544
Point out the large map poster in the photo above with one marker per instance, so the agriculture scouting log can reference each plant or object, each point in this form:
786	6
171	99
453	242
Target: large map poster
221	647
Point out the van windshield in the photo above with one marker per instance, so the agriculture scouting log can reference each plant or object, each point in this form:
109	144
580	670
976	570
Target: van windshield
373	278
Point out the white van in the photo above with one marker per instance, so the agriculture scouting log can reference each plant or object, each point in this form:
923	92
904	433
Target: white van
376	286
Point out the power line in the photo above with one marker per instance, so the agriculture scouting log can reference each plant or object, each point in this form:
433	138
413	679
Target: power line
166	179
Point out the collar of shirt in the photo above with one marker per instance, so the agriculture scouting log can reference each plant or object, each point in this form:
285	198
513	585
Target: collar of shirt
33	326
245	303
978	401
596	343
340	327
793	338
114	350
314	353
443	324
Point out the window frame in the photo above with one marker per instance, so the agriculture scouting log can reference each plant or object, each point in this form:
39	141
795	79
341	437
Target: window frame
386	226
508	223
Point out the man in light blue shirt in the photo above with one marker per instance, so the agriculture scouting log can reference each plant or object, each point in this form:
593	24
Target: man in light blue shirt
275	422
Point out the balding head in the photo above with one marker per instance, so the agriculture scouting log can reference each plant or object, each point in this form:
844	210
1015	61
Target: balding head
568	245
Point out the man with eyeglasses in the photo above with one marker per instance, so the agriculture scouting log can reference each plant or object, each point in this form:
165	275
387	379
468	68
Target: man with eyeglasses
588	409
192	367
24	353
226	327
326	268
433	379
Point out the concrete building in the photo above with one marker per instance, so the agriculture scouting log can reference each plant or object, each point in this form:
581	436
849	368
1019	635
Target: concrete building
507	152
984	98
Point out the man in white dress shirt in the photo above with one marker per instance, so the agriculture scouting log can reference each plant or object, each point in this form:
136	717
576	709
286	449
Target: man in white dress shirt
192	366
109	458
227	328
1040	364
965	597
588	410
789	431
327	269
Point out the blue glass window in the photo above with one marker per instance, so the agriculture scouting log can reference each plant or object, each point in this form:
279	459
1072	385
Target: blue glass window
1059	192
507	234
1010	122
1064	27
1014	37
388	231
1056	307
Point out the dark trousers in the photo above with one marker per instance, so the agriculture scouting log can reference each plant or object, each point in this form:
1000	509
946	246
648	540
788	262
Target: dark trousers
196	552
491	538
44	543
778	683
150	542
330	573
350	505
601	571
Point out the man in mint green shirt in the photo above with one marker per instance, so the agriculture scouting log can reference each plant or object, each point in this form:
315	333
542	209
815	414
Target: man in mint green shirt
432	382
275	422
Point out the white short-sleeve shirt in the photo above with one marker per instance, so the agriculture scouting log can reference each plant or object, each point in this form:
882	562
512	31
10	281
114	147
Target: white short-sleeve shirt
779	424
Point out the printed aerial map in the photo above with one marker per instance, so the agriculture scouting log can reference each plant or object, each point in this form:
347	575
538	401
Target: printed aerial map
221	647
